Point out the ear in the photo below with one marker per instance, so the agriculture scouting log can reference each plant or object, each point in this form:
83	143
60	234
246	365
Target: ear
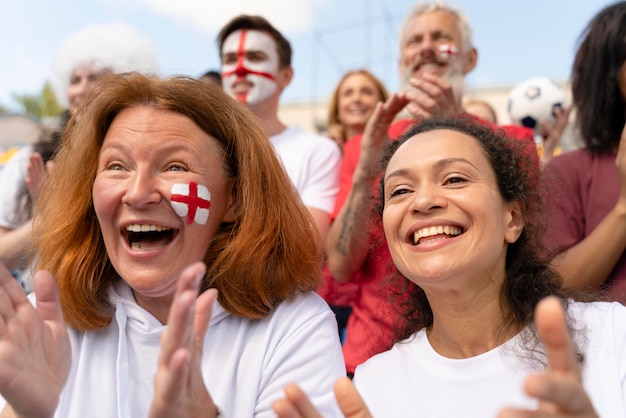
284	76
515	221
471	59
233	206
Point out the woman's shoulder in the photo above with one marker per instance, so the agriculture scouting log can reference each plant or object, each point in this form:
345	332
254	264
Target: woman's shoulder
601	312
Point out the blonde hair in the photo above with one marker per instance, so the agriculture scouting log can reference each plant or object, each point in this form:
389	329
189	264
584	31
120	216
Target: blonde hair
335	128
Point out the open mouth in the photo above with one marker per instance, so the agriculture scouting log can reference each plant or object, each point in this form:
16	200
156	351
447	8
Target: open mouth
435	232
148	237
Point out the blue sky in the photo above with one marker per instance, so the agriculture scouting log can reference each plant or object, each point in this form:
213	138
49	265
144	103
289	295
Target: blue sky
516	39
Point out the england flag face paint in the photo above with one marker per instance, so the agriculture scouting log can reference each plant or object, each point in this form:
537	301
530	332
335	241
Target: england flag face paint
191	201
447	52
249	66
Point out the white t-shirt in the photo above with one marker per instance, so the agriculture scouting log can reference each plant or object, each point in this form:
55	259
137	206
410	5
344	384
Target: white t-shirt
246	363
13	209
412	380
312	163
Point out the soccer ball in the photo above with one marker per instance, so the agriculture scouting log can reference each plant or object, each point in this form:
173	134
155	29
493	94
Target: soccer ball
535	100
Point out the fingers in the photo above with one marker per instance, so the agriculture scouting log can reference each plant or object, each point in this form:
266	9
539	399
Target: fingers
11	287
559	388
558	392
552	329
202	317
181	346
394	104
434	96
36	174
48	301
349	400
179	331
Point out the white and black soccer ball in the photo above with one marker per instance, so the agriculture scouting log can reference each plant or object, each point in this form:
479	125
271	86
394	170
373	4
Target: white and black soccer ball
534	100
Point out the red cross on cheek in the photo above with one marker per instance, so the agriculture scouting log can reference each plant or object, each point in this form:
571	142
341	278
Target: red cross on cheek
192	201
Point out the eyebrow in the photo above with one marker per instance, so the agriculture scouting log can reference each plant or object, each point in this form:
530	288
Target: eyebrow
438	165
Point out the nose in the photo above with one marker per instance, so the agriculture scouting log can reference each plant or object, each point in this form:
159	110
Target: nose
427	47
426	199
142	191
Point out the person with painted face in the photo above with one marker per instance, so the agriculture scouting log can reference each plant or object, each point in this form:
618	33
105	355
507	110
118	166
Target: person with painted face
83	57
436	52
178	286
256	68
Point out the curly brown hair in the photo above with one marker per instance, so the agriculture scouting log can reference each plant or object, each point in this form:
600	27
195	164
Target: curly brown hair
529	278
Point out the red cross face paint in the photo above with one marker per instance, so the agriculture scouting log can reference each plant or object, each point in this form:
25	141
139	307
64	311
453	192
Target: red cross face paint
249	66
191	200
447	52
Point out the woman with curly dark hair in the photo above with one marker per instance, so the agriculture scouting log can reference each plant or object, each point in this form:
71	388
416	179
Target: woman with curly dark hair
588	186
489	323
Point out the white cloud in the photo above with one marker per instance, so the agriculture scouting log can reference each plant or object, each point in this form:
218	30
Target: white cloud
210	15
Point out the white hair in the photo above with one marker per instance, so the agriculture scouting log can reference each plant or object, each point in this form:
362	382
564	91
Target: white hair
115	46
440	5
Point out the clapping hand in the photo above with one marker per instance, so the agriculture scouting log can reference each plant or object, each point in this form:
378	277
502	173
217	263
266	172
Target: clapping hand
375	133
37	174
551	133
433	96
179	387
559	388
297	405
35	354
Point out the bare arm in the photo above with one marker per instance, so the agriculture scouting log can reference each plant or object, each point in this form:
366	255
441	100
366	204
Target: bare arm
587	264
348	238
322	222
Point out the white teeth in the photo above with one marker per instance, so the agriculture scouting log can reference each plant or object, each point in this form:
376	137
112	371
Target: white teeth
146	228
135	245
436	230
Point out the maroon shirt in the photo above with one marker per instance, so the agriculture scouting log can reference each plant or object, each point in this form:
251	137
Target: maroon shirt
582	188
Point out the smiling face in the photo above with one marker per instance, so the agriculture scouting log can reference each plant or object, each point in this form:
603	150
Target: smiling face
445	221
356	98
432	42
146	154
250	66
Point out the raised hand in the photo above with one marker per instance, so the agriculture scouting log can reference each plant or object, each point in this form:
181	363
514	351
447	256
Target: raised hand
37	174
559	388
35	353
551	132
179	389
297	405
434	96
375	133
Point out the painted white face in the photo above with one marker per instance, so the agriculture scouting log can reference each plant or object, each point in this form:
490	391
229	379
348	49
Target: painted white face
250	65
